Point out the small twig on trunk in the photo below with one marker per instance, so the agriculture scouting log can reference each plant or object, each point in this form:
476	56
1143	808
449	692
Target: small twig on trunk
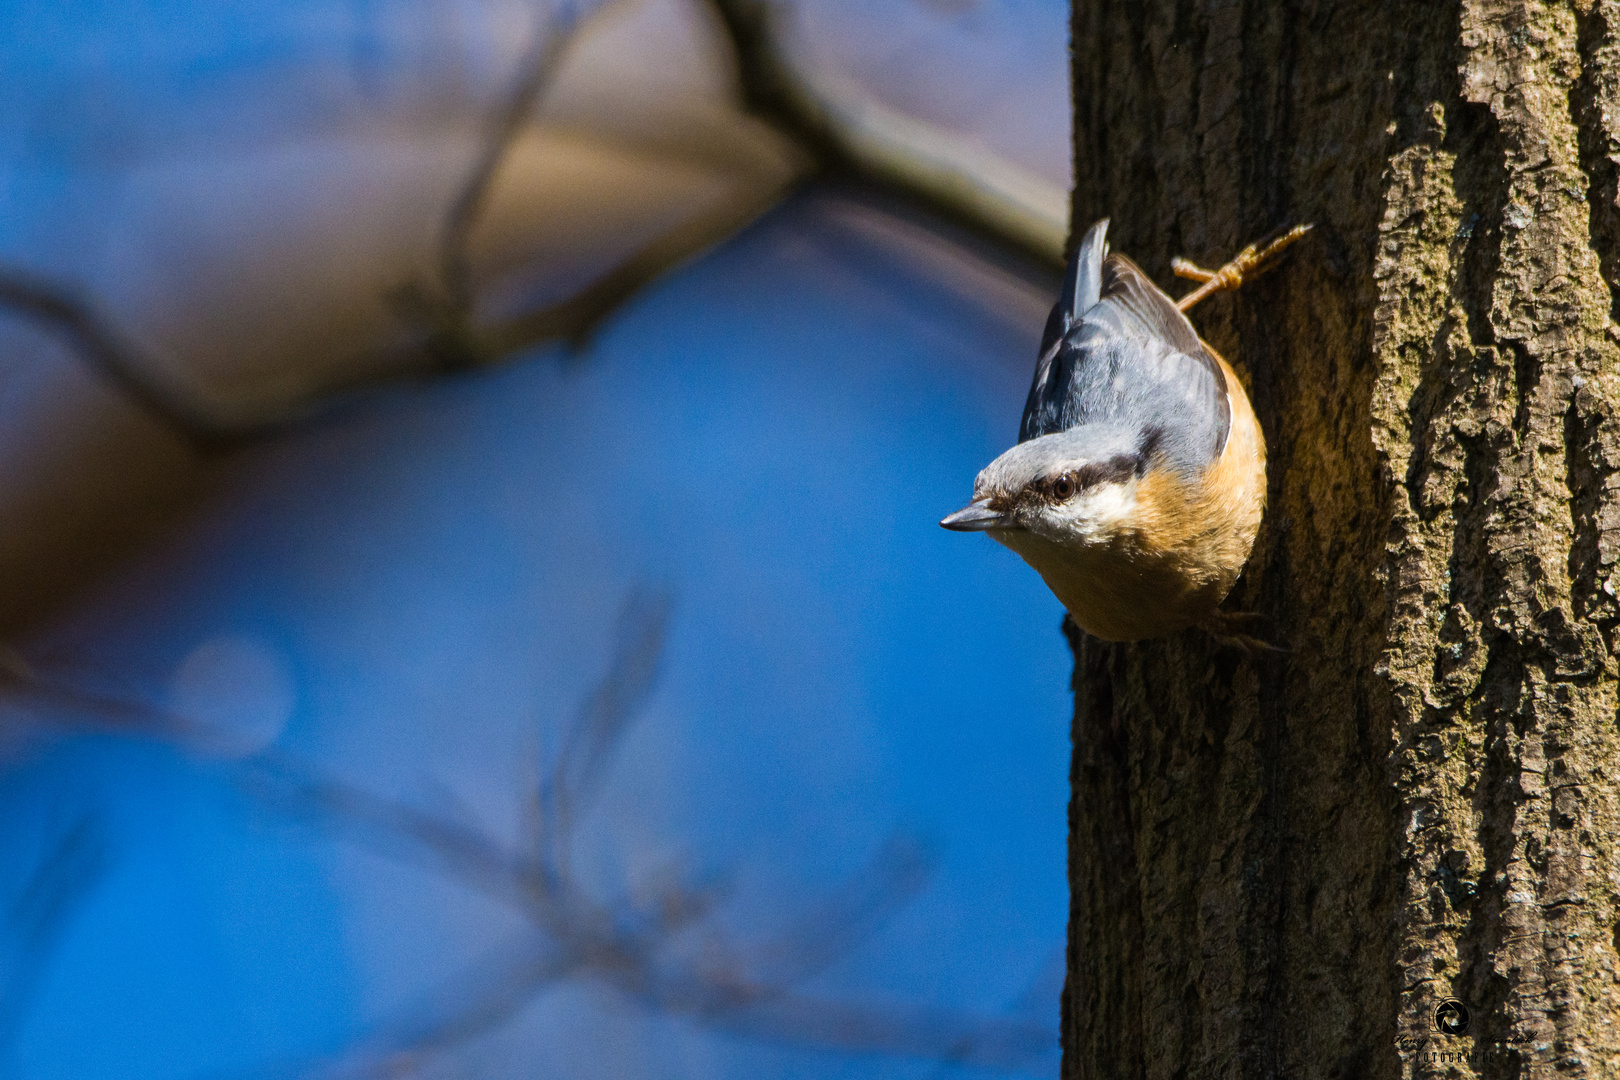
1251	262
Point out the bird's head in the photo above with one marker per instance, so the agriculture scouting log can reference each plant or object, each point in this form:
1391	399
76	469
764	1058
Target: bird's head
1076	489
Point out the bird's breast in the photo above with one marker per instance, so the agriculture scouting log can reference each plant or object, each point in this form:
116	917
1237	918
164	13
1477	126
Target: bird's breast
1117	591
1184	547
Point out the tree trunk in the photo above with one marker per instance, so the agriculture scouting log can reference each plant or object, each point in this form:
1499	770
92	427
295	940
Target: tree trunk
1283	864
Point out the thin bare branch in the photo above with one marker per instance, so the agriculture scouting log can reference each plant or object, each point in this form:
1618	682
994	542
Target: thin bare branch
588	746
676	903
923	163
442	311
642	949
956	1036
106	352
895	875
1251	262
575	319
404	830
535	73
64	705
531	829
74	861
920	164
483	997
639	949
447	309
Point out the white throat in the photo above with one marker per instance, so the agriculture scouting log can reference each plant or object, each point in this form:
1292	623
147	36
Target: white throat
1092	517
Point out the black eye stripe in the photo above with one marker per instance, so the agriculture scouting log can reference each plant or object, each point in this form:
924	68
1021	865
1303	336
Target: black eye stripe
1117	469
1151	438
1114	470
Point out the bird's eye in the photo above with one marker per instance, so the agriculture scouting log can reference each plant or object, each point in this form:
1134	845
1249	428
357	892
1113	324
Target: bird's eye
1063	487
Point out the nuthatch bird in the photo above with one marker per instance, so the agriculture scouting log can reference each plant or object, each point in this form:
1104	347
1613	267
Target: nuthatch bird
1139	478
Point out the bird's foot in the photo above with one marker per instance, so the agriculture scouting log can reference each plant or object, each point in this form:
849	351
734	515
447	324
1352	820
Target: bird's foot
1229	628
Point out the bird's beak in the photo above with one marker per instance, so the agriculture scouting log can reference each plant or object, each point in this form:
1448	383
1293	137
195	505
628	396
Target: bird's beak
977	516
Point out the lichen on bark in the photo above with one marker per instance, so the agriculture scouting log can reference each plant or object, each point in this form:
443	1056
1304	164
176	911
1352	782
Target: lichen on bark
1282	864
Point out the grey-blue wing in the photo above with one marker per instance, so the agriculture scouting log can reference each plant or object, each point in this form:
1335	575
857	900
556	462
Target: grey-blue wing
1134	361
1082	289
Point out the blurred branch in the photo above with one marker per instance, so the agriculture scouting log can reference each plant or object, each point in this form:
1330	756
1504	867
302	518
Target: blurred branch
106	352
919	162
479	999
403	830
443	311
575	319
73	862
842	919
950	175
662	948
536	72
448	311
67	705
954	1036
665	951
603	719
447	306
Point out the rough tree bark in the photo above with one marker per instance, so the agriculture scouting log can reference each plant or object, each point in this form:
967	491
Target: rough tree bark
1281	865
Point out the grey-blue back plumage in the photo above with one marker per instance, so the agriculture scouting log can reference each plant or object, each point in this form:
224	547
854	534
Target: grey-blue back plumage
1118	352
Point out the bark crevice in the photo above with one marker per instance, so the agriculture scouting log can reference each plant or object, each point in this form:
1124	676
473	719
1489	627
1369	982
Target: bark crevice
1596	93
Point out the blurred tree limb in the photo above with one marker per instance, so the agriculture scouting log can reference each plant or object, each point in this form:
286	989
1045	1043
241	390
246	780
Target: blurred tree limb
74	859
660	947
446	307
923	162
107	352
840	130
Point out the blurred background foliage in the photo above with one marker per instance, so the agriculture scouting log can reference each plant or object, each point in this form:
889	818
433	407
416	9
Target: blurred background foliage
470	473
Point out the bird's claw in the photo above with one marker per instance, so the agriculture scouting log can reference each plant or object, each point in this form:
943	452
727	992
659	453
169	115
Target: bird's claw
1223	626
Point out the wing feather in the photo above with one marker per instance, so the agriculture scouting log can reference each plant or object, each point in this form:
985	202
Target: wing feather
1133	360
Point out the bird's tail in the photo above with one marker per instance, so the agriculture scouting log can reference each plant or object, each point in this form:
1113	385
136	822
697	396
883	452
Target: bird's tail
1082	285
